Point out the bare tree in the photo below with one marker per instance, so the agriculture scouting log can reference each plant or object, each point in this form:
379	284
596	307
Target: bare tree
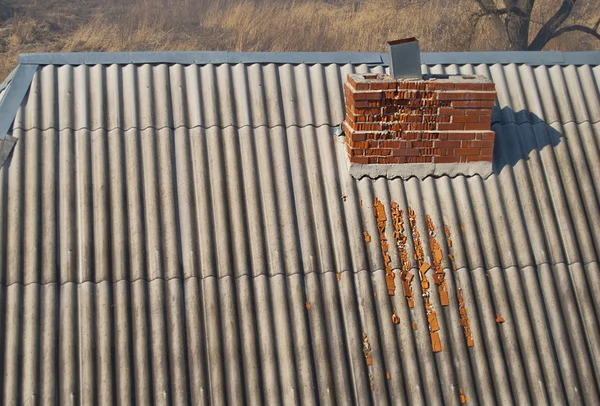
514	19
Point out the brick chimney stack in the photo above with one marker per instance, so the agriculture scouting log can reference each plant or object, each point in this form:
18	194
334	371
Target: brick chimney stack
430	120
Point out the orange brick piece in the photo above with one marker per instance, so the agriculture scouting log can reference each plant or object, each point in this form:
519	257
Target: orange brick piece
391	121
367	349
463	398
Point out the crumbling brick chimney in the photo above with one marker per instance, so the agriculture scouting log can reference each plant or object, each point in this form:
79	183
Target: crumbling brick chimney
429	120
441	123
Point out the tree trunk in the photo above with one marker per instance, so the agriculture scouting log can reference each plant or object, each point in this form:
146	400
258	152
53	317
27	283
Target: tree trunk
517	23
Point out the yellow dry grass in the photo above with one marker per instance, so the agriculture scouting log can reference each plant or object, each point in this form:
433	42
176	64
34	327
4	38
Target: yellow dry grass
259	25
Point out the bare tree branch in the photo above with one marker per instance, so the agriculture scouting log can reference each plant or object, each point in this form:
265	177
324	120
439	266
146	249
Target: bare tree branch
497	11
515	18
547	31
593	31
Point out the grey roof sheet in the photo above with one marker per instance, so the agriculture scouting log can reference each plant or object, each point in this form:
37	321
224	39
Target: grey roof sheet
163	226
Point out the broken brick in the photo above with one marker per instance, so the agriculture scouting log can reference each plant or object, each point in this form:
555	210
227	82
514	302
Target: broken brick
463	398
405	274
436	344
439	277
367	349
433	323
464	318
379	212
444	300
395	318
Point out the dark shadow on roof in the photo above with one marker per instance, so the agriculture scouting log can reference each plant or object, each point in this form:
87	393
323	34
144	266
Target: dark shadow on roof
518	134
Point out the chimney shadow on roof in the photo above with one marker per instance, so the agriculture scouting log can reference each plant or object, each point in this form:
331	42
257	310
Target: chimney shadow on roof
518	134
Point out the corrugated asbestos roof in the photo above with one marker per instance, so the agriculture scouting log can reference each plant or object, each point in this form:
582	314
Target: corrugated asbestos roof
189	234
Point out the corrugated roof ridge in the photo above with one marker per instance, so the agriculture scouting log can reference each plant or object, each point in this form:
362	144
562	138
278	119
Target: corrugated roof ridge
343	272
250	126
205	127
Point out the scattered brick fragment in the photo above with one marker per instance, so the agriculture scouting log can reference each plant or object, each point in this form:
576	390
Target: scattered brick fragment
388	375
405	276
379	212
344	197
339	276
308	306
448	236
464	318
439	277
452	260
436	345
499	319
367	237
367	349
463	397
433	323
395	318
414	326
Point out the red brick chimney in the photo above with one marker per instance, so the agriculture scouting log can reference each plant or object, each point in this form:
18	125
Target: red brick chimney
433	120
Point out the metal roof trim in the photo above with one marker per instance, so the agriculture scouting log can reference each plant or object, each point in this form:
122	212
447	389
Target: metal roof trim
201	58
16	84
19	85
8	79
356	58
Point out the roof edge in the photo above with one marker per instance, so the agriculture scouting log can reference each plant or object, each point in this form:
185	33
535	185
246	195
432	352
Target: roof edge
356	58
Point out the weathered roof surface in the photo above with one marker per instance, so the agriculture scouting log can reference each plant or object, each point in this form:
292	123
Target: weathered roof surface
163	227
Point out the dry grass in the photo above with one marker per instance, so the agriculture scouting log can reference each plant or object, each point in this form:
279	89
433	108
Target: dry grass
259	25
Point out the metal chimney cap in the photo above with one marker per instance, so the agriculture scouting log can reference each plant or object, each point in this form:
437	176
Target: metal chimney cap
402	41
405	58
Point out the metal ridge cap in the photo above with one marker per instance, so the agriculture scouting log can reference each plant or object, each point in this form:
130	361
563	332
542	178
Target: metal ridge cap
509	57
356	58
200	58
